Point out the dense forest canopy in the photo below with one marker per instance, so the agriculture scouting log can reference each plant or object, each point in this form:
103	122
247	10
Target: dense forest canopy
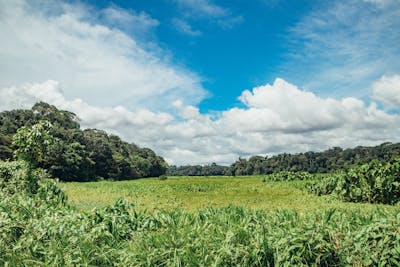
80	155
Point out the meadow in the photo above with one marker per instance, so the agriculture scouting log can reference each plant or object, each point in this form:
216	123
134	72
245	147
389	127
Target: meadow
195	193
188	221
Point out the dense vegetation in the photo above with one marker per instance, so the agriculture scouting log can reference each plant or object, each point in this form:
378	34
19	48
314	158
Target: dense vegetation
327	161
79	155
197	170
375	182
39	227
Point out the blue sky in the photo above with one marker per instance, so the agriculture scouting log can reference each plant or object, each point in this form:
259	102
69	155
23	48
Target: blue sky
203	81
237	45
241	45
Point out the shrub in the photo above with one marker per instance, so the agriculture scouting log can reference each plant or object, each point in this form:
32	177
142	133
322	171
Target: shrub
375	182
17	177
289	176
324	186
163	177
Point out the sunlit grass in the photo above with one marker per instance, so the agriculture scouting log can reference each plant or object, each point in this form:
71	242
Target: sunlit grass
194	193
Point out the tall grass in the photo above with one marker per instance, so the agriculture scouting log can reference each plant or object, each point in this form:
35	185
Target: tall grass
40	228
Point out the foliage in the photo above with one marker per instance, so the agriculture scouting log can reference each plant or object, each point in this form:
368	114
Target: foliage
32	142
197	170
73	154
17	177
290	176
42	229
327	161
163	177
375	182
325	186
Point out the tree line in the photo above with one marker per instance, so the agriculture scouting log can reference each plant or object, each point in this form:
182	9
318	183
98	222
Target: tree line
91	154
79	155
197	170
327	161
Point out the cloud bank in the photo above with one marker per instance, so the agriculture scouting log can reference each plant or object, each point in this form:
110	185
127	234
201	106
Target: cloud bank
277	118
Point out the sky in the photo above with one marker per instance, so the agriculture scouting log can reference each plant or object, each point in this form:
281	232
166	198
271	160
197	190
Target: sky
202	81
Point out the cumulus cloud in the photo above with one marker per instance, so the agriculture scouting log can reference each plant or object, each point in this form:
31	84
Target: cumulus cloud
387	90
276	118
91	57
90	116
283	106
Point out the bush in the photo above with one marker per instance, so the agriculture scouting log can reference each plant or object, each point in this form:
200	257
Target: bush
289	176
16	177
163	177
324	186
375	182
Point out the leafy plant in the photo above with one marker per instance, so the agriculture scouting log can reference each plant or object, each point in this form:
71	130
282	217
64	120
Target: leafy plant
375	182
32	142
290	176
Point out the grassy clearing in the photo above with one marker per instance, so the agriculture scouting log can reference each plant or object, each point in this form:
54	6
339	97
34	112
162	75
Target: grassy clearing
194	193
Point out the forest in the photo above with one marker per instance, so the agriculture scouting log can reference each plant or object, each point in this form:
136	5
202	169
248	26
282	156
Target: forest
327	161
76	154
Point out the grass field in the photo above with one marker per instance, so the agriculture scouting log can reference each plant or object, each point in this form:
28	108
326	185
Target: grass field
188	221
194	193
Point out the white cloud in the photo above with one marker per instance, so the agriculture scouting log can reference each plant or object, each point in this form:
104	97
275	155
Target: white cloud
129	19
379	2
276	118
203	8
283	107
345	45
229	23
185	27
90	116
90	59
387	90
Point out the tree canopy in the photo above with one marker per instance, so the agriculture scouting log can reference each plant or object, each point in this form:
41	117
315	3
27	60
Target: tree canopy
72	154
313	162
329	160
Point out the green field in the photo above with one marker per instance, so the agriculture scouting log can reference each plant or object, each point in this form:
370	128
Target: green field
188	221
194	193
